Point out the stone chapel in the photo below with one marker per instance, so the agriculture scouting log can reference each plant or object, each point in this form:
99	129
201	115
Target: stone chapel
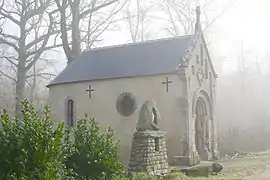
112	83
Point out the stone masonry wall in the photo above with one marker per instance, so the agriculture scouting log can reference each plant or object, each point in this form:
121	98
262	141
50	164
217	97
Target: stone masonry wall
149	153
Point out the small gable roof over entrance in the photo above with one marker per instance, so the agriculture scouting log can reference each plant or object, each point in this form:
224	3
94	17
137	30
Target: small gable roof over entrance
130	60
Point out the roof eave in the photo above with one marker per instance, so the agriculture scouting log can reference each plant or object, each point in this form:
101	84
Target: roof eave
110	78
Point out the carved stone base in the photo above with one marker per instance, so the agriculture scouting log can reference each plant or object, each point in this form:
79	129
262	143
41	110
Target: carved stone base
206	155
215	155
149	153
195	158
191	160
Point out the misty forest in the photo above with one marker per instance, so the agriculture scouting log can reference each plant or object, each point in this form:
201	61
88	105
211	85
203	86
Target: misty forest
41	38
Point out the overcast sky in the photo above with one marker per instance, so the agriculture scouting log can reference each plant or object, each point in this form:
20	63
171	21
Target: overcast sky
248	21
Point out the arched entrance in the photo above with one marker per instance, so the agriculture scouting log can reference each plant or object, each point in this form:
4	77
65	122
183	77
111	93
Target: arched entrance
202	112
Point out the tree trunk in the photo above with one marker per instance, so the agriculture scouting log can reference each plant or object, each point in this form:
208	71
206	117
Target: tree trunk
33	86
76	37
21	74
20	86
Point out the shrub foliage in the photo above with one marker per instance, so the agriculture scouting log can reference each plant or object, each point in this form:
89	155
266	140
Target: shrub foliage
37	148
95	155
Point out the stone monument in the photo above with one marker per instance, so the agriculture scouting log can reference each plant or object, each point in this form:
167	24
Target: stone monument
148	150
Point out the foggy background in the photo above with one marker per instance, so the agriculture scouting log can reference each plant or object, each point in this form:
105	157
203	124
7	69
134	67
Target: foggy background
237	33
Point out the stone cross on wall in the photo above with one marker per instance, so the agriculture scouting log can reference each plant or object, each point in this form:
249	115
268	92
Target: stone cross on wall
90	90
167	82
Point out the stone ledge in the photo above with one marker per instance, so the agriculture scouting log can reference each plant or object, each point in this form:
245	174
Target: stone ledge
200	170
149	133
181	161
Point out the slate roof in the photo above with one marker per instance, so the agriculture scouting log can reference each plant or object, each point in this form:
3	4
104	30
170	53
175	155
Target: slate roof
130	60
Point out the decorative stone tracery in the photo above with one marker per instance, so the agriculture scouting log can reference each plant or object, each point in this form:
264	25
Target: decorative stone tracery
200	76
203	128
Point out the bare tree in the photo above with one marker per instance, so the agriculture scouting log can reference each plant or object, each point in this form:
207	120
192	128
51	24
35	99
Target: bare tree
6	94
181	15
83	22
137	17
6	91
28	17
39	71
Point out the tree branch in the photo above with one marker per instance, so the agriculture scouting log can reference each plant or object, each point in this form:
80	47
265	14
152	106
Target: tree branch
42	49
37	10
10	60
8	35
40	74
41	38
3	41
8	76
43	46
220	15
7	14
63	27
85	13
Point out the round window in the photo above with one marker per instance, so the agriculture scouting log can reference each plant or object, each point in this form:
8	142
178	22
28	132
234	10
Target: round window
126	104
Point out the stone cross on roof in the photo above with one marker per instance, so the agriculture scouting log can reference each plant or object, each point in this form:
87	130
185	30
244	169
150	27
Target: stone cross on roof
198	19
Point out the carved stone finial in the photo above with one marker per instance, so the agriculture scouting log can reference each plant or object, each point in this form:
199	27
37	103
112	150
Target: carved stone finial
198	13
149	117
198	19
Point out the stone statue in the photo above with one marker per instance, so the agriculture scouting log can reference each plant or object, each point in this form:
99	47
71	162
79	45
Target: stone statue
149	117
148	142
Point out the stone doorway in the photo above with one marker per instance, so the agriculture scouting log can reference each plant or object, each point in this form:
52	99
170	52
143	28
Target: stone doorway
202	133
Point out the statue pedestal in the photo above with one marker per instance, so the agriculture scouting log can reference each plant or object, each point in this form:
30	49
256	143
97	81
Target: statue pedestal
149	153
206	155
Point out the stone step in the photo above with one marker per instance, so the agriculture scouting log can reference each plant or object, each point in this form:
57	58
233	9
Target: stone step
181	161
201	170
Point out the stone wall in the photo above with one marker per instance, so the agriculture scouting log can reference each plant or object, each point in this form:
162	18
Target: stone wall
149	153
104	99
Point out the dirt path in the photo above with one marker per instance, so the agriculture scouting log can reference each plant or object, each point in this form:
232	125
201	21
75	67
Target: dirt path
248	168
261	175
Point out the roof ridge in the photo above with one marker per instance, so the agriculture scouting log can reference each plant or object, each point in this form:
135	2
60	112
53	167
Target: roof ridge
137	43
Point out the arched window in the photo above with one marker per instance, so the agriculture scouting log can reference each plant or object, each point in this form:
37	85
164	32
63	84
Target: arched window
70	112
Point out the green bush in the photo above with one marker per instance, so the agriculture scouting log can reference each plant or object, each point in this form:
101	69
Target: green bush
36	148
31	148
95	154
